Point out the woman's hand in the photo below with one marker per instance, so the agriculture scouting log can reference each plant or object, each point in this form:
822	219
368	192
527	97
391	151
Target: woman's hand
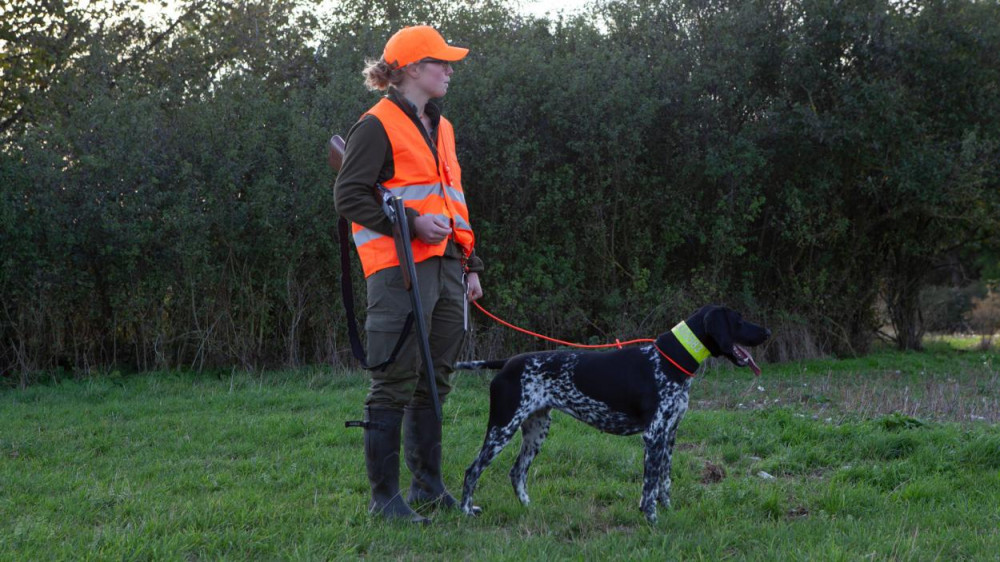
430	229
475	289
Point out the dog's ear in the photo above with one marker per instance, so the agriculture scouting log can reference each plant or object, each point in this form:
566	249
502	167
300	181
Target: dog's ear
717	326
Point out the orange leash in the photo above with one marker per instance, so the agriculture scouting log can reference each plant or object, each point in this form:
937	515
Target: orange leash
617	343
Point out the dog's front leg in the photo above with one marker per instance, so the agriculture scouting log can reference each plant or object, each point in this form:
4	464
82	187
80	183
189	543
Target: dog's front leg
668	461
655	440
679	409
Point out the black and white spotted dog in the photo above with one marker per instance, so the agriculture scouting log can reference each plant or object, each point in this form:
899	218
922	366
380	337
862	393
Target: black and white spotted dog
641	389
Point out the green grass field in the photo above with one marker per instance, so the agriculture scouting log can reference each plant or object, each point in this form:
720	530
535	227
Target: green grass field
891	456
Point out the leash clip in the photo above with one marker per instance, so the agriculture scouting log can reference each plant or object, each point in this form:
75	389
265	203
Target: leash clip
465	301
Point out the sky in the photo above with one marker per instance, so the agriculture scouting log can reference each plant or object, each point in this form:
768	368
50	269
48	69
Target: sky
535	7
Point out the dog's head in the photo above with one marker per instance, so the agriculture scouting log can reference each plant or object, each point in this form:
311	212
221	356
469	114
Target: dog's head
727	334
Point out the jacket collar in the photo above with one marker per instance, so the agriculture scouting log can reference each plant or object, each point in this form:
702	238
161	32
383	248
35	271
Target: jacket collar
432	110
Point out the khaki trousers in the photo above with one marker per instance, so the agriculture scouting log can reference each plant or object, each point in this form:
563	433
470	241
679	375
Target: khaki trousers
442	292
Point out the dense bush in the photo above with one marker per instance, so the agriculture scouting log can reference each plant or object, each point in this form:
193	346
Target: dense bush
946	309
165	200
985	317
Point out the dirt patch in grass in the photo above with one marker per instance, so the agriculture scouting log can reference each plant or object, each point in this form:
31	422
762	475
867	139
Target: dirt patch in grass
797	512
712	473
968	392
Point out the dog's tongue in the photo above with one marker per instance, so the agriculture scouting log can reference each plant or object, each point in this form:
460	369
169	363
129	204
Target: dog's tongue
746	359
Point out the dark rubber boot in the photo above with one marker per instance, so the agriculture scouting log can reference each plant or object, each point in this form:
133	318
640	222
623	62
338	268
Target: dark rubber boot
382	461
422	443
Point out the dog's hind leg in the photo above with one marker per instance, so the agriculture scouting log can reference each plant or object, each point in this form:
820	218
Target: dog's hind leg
497	438
534	430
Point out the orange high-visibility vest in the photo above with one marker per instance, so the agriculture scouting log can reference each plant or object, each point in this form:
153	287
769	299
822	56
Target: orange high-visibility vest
429	187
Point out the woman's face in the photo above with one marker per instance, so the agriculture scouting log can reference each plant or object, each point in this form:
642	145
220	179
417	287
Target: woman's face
432	77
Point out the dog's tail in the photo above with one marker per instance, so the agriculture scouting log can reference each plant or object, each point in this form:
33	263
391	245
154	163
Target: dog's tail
494	364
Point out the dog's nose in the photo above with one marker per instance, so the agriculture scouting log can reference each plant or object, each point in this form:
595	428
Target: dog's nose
767	333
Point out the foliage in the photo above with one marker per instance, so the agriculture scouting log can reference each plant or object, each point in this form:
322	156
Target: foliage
165	203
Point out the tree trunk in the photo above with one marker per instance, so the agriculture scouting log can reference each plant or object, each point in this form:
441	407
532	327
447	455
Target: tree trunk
902	299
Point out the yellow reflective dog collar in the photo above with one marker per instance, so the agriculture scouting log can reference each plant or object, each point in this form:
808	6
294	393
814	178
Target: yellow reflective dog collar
690	342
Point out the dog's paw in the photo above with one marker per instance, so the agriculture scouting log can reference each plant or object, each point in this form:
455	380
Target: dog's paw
648	507
472	510
664	501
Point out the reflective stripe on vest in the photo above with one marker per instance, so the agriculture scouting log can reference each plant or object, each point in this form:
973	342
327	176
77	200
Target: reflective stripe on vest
429	187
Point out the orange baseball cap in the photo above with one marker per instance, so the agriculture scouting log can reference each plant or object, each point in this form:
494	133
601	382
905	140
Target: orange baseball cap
412	44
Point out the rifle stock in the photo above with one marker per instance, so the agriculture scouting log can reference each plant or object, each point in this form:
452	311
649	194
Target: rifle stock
336	153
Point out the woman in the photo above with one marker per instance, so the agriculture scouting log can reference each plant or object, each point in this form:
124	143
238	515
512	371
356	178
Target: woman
404	144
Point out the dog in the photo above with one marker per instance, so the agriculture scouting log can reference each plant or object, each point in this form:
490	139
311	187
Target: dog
633	390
